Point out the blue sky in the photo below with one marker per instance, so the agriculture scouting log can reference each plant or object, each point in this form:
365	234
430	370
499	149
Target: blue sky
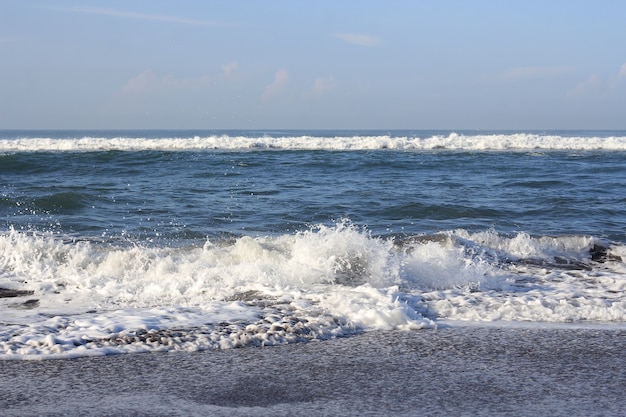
549	64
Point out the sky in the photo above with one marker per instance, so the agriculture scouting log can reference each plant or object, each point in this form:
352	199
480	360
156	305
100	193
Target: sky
208	64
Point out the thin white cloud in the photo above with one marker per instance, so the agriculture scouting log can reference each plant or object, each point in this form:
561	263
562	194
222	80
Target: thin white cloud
149	82
140	83
140	16
358	39
595	85
321	86
619	78
280	79
11	39
533	72
591	85
229	69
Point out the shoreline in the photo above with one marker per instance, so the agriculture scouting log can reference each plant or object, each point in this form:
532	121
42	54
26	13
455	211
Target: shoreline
450	371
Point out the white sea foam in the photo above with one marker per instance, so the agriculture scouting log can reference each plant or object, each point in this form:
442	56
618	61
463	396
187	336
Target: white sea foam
92	298
453	141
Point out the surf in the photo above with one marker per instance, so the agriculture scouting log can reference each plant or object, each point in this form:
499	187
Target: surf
97	297
249	141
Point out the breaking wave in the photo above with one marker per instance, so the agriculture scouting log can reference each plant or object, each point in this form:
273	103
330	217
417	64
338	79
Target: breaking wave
64	298
452	141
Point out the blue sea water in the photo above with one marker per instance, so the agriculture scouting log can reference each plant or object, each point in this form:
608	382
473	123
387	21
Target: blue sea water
124	241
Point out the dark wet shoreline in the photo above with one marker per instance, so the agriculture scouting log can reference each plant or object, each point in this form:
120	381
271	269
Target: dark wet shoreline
452	371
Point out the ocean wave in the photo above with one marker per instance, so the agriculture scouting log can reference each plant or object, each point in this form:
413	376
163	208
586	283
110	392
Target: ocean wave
453	141
64	298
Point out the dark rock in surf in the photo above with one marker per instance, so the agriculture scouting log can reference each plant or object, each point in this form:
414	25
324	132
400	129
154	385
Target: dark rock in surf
8	293
600	253
26	305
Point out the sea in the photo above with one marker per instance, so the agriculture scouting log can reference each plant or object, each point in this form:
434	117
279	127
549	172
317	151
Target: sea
119	242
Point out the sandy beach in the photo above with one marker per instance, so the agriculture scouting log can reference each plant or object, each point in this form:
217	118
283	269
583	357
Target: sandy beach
450	371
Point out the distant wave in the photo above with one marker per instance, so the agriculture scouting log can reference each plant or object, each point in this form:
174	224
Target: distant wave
453	141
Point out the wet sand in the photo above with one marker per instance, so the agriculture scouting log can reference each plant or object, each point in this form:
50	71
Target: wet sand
451	371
